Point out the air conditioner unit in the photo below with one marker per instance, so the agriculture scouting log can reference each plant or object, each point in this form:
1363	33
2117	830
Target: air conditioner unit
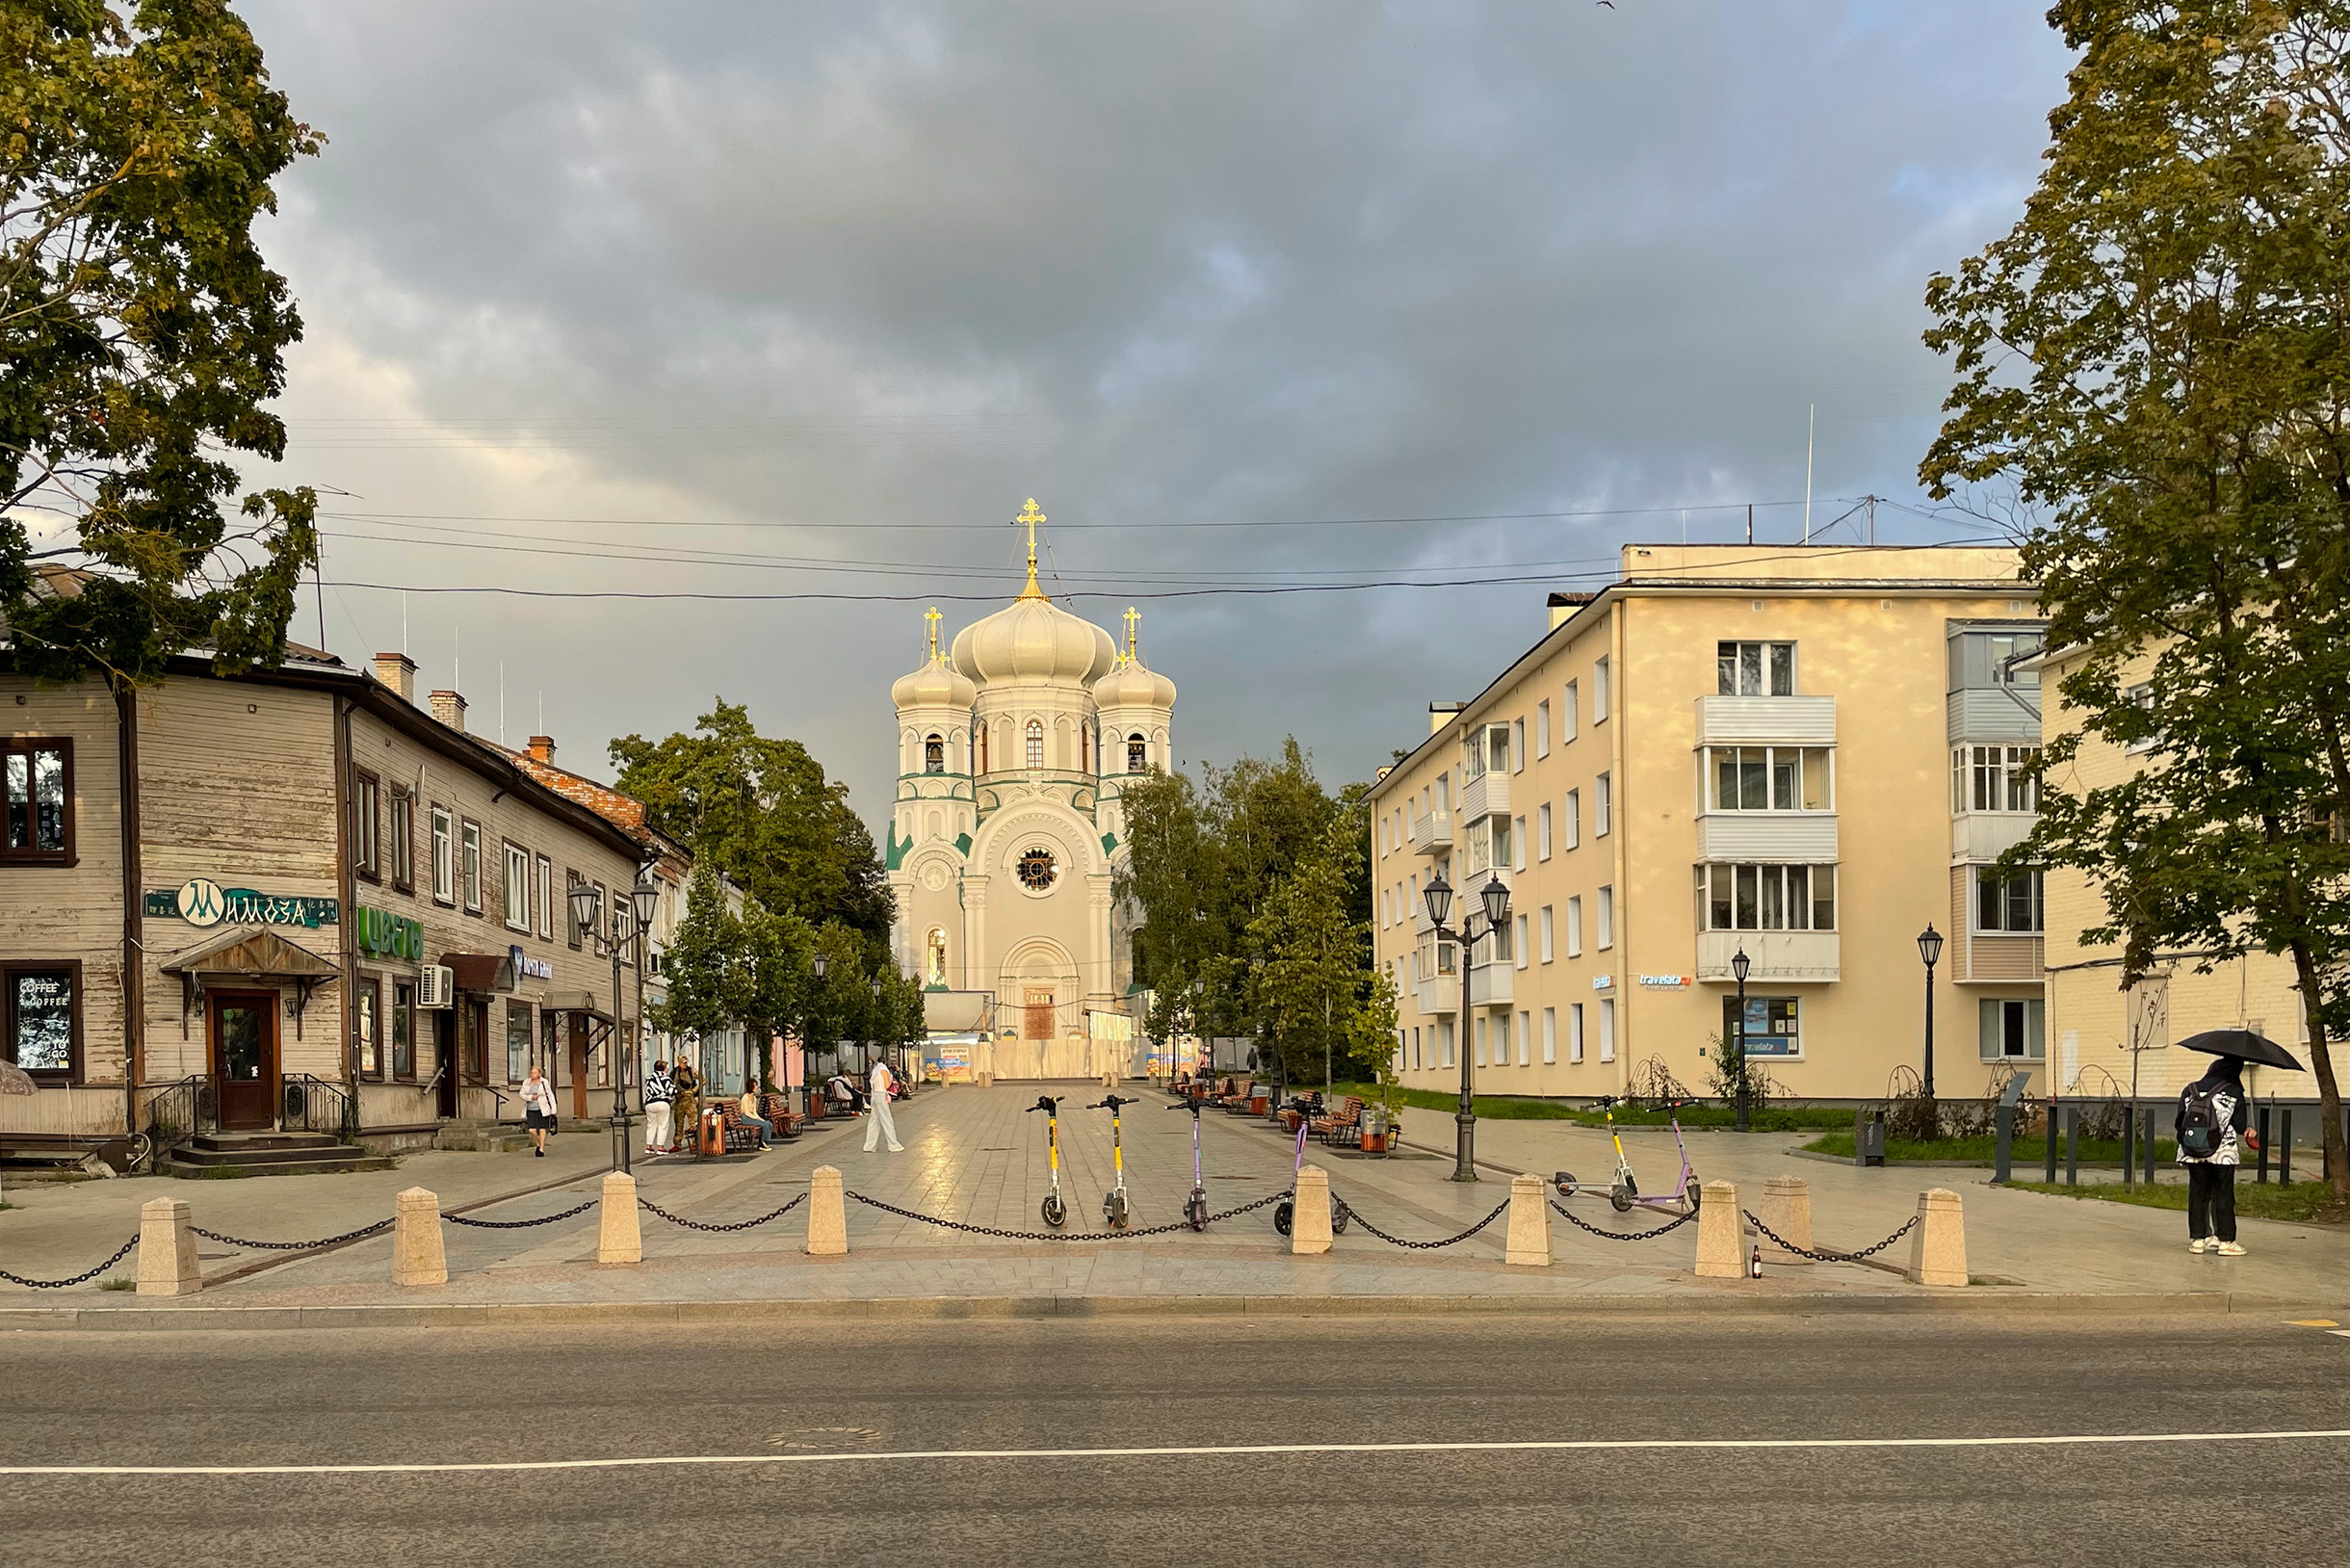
436	986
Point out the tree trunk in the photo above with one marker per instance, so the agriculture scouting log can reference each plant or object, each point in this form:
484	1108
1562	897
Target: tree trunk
2321	1062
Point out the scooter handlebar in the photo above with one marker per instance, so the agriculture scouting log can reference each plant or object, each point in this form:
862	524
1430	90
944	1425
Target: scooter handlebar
1112	1103
1046	1102
1190	1105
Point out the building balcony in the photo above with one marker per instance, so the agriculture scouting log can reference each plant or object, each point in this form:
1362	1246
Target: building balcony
1765	720
1998	958
1765	837
1977	837
1485	797
1995	716
1432	833
1438	994
1781	957
1492	985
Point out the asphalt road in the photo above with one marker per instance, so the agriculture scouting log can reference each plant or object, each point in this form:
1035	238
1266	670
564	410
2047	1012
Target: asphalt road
411	1397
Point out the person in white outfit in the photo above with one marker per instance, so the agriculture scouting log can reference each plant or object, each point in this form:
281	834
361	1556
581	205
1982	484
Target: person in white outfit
880	1125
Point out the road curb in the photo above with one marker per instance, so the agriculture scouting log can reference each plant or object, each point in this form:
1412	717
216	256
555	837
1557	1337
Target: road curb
1734	1302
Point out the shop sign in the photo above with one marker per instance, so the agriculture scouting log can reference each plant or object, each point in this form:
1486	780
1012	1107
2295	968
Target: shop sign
1665	982
202	901
1603	982
387	935
528	966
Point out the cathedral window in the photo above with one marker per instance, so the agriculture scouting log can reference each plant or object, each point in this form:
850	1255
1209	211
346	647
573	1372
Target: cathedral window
1134	750
1036	740
1038	871
934	755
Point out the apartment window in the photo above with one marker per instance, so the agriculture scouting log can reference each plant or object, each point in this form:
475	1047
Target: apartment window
1036	743
2008	903
1516	852
1483	1031
1768	898
1542	832
1574	927
370	995
1488	845
546	899
518	889
1444	1041
1599	691
1981	659
1542	728
1607	1030
2144	696
572	930
1525	1035
402	1022
2011	1030
1443	792
1488	751
1603	805
1518	944
404	840
1770	778
1604	922
1516	746
608	920
1574	817
1550	1035
1575	1032
40	1018
1413	1060
1501	951
517	1041
1755	670
934	754
1995	779
1773	1025
444	858
38	812
1550	930
365	822
1570	712
469	862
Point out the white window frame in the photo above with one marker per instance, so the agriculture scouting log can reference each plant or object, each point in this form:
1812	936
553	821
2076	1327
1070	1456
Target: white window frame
1977	875
1608	1028
1574	817
516	868
1600	693
1550	1035
1818	874
1603	805
1549	932
1517	844
1574	927
469	868
1764	667
1603	919
1575	1034
2142	694
1570	715
1484	1032
1447	1041
1526	1038
546	898
1542	728
1542	832
1710	780
444	856
1991	1040
1516	746
1518	944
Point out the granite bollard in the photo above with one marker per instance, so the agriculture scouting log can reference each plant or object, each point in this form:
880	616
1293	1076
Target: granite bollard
1309	1212
1938	1247
619	1234
827	1214
418	1257
167	1249
1529	1222
1721	1233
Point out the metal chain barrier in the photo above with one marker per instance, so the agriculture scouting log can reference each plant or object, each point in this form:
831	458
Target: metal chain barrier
289	1246
1059	1236
1580	1223
1823	1255
61	1284
518	1225
738	1225
1428	1246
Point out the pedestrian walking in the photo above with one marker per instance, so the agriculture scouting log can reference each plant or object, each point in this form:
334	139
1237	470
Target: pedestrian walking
748	1110
882	1124
538	1108
2214	1125
659	1088
685	1110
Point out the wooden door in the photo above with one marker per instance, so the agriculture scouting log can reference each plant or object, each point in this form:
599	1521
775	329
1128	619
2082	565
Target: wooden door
576	1032
1038	1007
444	1062
243	1031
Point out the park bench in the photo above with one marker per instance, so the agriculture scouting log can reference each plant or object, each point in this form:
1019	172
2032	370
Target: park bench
1342	1126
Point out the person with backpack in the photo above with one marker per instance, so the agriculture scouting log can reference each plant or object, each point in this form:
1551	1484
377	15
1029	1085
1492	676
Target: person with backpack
2213	1127
659	1088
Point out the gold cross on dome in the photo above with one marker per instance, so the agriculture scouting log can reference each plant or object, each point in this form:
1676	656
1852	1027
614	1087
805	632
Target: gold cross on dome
934	617
1029	515
1133	619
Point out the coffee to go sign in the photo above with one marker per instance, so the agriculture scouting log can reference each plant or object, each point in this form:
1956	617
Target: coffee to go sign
387	935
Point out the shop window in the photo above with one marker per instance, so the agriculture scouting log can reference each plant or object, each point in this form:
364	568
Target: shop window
369	996
40	1019
402	1025
1773	1025
39	806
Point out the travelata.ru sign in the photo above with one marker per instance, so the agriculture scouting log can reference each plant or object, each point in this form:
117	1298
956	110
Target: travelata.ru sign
202	901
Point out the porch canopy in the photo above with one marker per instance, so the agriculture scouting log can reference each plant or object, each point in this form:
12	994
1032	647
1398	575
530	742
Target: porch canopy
249	955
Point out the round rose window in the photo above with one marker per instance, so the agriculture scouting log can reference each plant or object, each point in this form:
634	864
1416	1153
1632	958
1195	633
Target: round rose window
1037	870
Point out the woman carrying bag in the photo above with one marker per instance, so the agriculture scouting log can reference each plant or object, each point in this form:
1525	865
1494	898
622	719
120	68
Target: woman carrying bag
538	1109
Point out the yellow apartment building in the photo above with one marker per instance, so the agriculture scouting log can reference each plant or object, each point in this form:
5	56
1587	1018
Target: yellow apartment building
1807	753
2109	1041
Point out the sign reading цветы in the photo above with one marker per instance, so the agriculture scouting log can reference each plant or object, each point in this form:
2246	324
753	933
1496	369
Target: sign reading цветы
203	901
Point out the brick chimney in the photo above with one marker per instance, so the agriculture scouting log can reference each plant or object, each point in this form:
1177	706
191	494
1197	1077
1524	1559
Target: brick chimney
450	709
542	748
397	671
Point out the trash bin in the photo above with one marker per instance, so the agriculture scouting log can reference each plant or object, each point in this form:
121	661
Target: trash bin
1868	1139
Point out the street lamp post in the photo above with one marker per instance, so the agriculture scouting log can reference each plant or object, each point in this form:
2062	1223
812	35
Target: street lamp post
1930	948
631	920
816	965
1739	966
1494	898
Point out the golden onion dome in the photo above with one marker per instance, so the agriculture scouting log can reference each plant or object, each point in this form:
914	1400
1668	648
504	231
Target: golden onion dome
937	683
1032	639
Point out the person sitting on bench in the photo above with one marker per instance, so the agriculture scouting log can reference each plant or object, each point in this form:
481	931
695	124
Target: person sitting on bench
748	1112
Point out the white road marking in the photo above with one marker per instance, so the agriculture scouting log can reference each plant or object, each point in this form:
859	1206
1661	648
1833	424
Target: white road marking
1204	1451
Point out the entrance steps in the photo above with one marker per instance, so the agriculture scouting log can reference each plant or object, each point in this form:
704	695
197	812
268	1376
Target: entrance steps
267	1154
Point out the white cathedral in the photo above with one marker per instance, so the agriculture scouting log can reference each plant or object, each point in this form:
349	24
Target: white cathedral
1011	752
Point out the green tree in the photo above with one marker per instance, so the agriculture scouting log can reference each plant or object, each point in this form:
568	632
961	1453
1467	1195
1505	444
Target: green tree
1311	961
2152	366
1370	1035
140	336
761	811
711	982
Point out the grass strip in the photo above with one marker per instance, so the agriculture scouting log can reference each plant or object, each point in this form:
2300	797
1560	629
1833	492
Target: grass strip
2302	1203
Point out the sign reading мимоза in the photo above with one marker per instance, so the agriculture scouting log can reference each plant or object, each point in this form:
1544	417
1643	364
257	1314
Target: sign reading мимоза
202	901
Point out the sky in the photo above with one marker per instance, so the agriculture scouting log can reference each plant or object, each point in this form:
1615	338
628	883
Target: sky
771	300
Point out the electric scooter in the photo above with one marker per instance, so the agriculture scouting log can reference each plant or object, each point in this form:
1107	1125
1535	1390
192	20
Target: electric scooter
1625	1193
1285	1213
1195	1208
1113	1202
1056	1212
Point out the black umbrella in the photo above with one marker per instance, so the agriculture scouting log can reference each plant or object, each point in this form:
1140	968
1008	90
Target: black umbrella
2244	1045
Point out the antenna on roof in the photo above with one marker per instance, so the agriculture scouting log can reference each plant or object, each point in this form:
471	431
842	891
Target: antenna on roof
1810	430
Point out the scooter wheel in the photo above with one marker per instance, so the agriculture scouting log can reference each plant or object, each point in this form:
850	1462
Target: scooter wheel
1281	1218
1196	1212
1113	1211
1055	1213
1566	1184
1340	1214
1692	1194
1621	1197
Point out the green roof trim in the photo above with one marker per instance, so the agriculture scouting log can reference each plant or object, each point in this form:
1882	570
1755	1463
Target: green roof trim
1110	843
962	843
897	851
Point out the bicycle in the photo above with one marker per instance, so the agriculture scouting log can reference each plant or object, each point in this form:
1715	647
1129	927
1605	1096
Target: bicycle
1625	1191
